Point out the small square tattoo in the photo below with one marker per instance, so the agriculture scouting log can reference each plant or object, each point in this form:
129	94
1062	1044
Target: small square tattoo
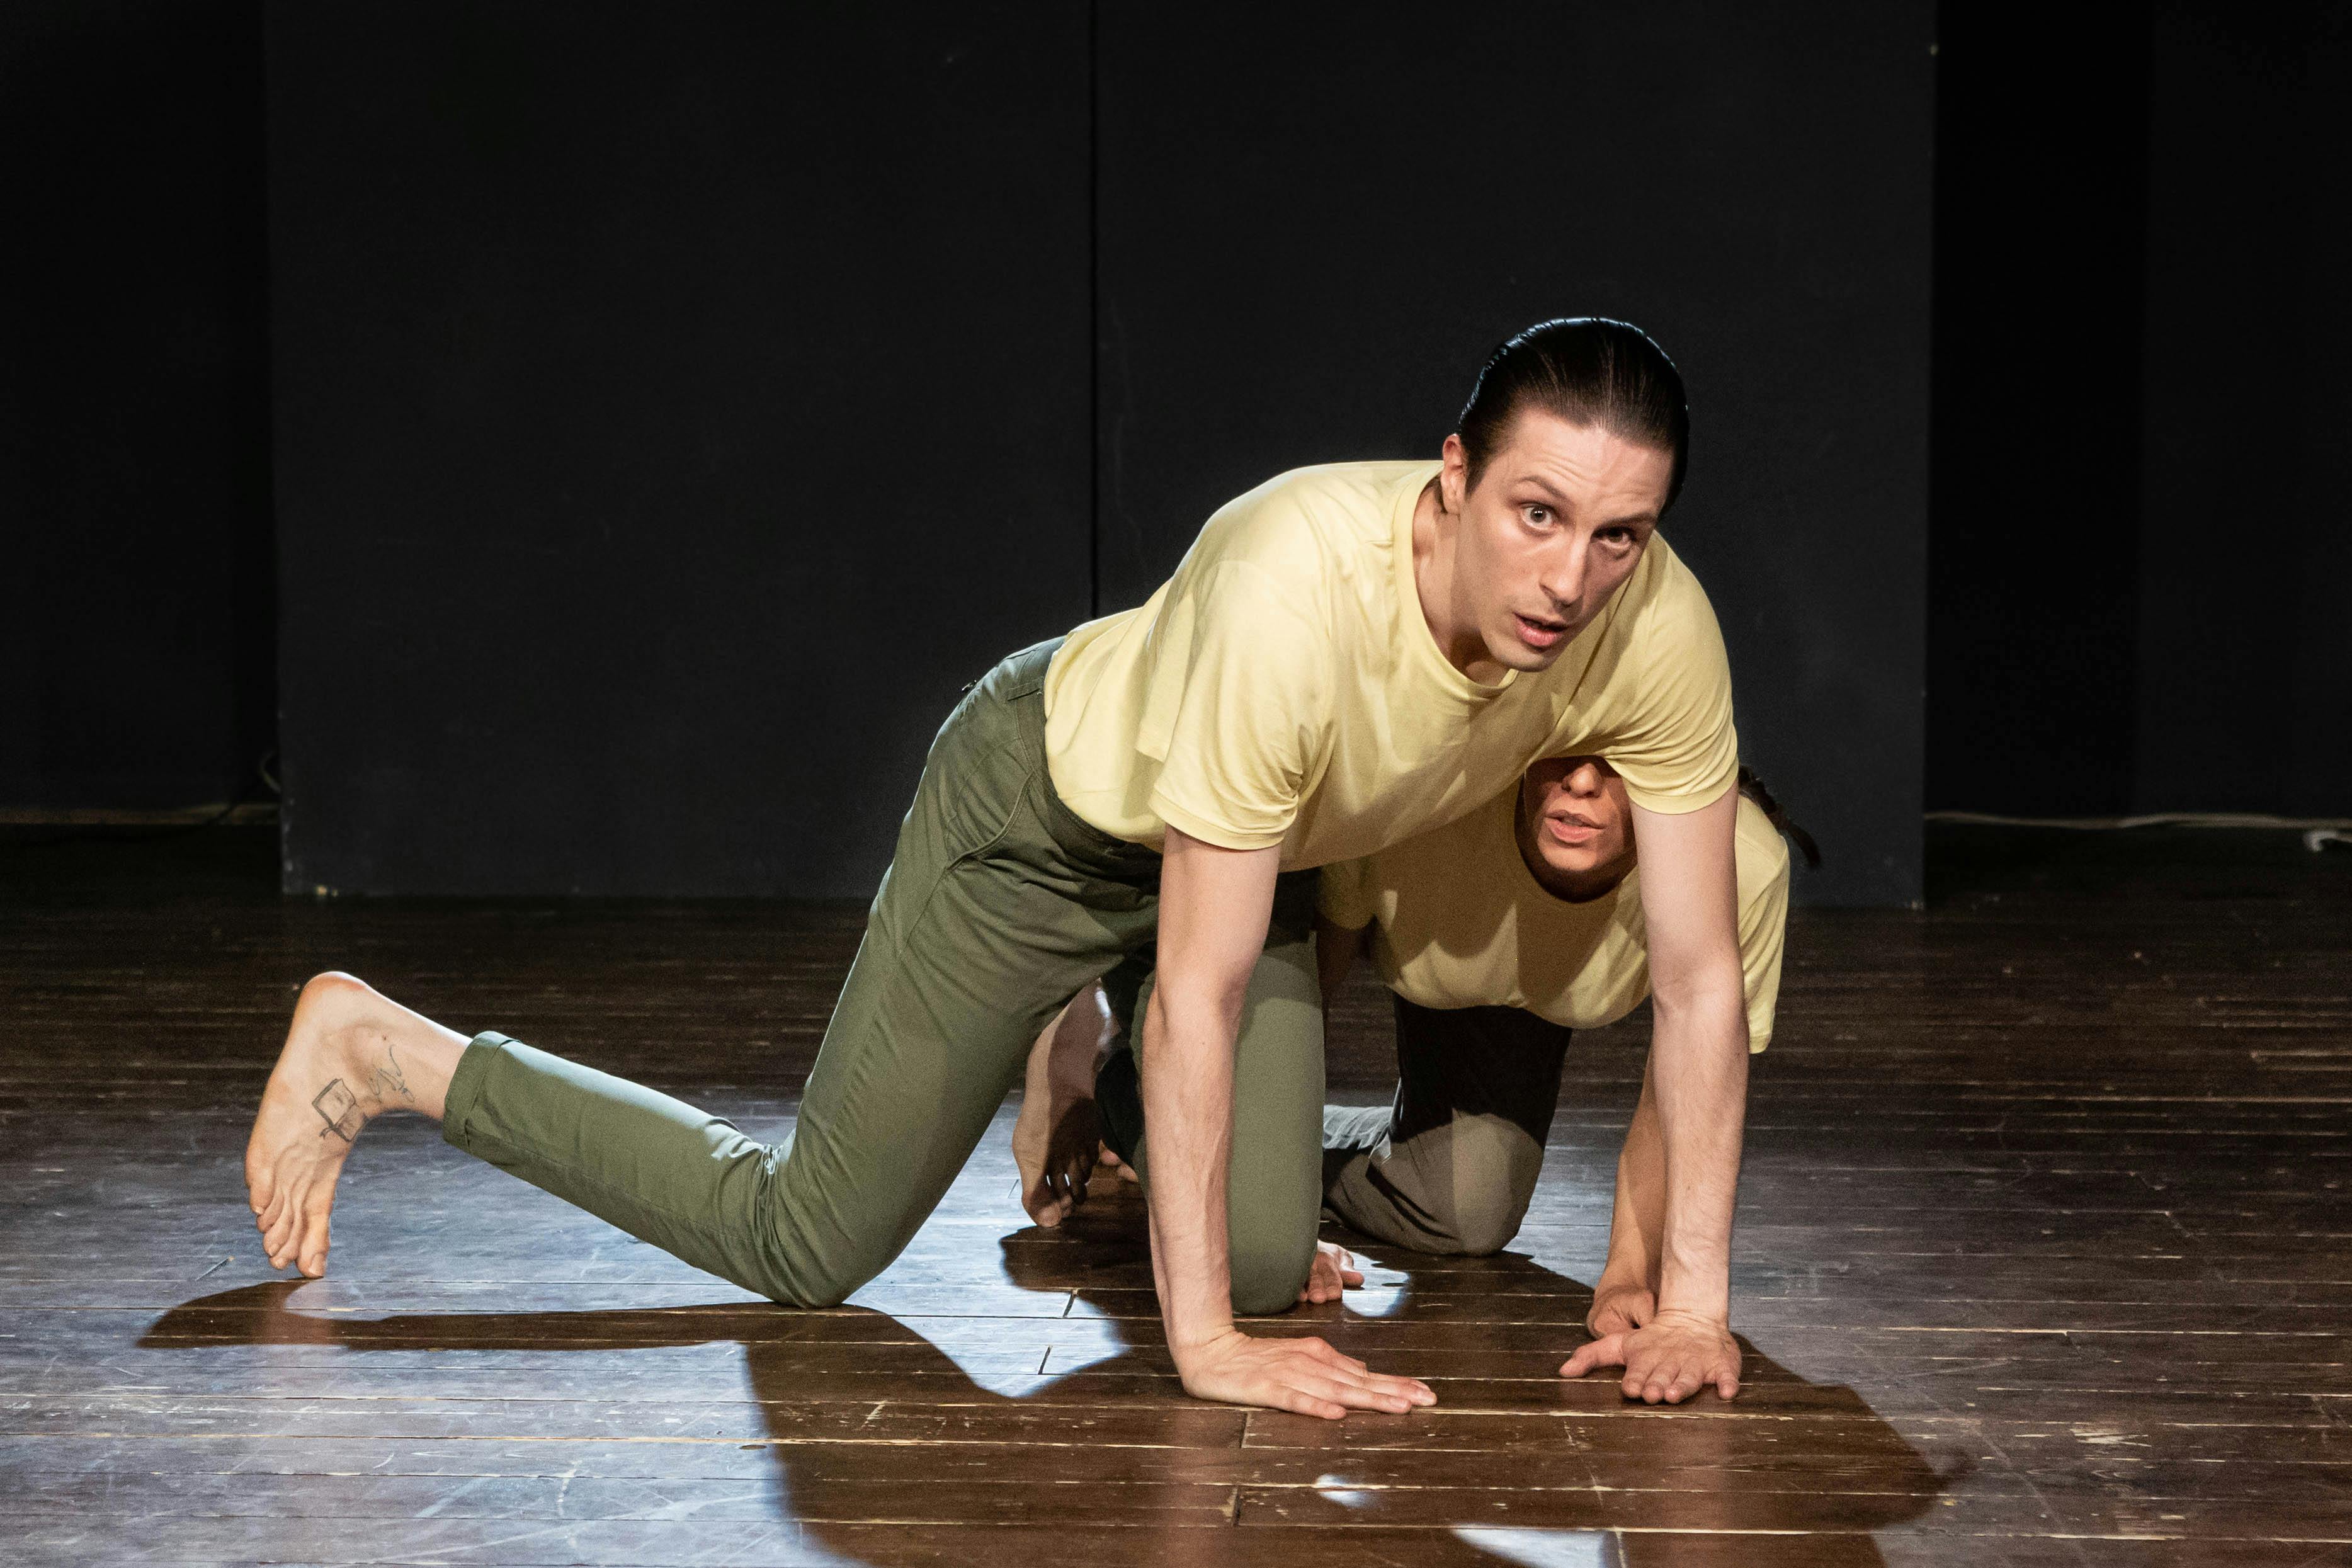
339	1109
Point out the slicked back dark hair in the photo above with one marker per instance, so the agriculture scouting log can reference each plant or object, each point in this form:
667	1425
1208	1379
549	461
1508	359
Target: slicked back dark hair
1586	370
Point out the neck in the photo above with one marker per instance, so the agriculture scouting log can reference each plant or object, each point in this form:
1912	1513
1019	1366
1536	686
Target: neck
1434	539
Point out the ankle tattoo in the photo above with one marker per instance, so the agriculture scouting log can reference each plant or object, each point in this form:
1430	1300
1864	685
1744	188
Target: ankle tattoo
387	1079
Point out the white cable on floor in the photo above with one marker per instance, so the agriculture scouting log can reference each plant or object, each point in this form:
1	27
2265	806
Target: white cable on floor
2318	832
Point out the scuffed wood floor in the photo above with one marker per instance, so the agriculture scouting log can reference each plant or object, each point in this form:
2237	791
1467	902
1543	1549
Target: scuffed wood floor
2045	1257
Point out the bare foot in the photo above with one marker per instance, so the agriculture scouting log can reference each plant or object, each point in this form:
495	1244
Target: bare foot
1108	1156
351	1055
1333	1270
1055	1138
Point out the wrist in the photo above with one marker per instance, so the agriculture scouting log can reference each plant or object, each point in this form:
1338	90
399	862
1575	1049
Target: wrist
1700	1323
1194	1338
1715	1312
1696	1295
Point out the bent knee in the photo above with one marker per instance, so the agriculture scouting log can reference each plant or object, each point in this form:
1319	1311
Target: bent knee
1480	1216
809	1285
1267	1279
1476	1229
1490	1168
796	1264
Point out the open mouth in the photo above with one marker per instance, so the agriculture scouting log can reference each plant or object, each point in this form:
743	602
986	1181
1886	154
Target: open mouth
1572	829
1538	634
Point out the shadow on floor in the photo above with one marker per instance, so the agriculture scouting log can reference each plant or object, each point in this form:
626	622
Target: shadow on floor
1820	1482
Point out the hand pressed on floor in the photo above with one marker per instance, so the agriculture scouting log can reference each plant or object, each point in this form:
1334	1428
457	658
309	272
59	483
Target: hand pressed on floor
1673	1357
1305	1375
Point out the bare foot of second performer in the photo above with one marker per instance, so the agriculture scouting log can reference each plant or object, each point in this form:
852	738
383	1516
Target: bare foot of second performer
351	1055
1058	1138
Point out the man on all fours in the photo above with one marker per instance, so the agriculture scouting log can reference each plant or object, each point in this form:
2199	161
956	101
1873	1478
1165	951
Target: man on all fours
1348	657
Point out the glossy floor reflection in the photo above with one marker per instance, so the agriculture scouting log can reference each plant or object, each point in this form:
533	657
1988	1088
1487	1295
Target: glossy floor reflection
853	1430
2042	1259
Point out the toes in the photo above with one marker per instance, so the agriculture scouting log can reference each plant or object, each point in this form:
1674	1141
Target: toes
314	1246
1046	1204
279	1237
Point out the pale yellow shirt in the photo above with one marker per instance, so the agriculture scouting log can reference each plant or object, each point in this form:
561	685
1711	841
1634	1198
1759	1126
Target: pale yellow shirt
1284	688
1460	921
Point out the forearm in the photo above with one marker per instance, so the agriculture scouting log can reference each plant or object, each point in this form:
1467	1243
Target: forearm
1699	1065
1187	1069
1637	1225
1696	1084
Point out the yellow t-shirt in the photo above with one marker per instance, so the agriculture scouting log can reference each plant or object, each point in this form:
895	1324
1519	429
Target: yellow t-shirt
1282	688
1462	922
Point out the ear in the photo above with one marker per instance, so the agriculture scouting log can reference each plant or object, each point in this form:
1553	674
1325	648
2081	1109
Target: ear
1453	479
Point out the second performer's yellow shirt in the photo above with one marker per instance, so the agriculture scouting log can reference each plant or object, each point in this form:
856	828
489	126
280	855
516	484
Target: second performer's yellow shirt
1460	921
1284	688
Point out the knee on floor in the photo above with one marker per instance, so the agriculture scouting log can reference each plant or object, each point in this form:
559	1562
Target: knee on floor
1491	1166
1483	1226
1267	1279
808	1276
816	1289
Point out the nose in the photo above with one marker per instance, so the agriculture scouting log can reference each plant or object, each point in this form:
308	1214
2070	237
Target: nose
1583	781
1563	573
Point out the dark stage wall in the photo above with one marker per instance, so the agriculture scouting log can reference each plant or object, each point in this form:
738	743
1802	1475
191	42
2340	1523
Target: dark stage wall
2140	554
2041	213
135	595
2244	697
676	406
637	364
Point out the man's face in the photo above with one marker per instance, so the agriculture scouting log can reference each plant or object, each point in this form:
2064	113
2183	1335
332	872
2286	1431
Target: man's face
1558	520
1575	827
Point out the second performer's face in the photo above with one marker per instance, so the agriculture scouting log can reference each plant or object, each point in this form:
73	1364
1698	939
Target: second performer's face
1557	521
1575	826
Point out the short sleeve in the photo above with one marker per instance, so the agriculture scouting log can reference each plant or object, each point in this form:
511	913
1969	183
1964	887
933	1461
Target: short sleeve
1247	712
1763	933
1675	745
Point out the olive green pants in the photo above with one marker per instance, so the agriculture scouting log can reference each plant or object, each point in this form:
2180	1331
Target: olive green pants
1000	903
1448	1166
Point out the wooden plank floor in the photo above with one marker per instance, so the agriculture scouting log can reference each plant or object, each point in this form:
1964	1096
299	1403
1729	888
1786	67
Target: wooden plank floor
2045	1257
